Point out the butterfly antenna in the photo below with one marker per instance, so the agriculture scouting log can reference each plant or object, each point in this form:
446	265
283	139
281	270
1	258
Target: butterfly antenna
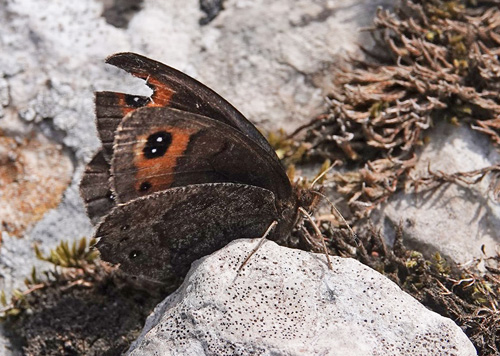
322	174
318	232
353	234
261	241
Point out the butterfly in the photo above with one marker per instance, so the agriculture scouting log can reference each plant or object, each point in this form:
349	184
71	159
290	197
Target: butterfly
180	174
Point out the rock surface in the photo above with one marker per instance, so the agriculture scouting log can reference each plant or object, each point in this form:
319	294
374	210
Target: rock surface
457	220
287	302
29	167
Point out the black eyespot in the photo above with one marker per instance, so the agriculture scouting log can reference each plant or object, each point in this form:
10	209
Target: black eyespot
145	186
134	254
157	144
136	101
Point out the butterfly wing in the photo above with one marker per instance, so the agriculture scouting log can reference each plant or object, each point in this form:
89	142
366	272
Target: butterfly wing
171	88
160	148
111	108
158	236
174	89
95	188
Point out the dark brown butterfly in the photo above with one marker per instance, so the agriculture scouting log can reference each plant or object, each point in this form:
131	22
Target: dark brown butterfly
180	174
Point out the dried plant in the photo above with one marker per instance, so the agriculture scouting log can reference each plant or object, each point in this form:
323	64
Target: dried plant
440	63
434	180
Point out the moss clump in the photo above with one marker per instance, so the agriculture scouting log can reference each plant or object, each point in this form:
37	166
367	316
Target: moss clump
79	255
81	307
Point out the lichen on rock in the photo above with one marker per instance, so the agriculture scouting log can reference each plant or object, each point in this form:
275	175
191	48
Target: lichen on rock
30	168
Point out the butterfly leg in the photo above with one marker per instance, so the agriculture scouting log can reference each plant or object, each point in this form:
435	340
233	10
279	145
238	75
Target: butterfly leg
318	233
337	212
261	241
308	238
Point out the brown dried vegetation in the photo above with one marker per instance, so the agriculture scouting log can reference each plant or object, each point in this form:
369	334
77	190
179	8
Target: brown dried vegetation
440	62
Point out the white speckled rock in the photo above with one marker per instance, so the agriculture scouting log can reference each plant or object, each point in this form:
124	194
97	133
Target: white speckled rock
287	302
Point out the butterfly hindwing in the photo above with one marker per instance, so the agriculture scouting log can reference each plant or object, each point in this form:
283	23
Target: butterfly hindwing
160	148
94	188
157	237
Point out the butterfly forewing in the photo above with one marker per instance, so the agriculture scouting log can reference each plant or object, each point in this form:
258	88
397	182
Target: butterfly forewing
160	148
172	88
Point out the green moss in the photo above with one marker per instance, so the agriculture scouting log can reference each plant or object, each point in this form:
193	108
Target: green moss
80	254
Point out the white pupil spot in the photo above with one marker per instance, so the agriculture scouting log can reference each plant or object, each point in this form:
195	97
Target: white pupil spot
136	98
153	150
159	139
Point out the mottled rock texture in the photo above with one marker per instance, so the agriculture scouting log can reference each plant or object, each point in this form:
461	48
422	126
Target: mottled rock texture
287	302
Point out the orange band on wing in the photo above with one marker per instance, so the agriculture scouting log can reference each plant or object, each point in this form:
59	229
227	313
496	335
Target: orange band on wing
161	93
160	98
159	172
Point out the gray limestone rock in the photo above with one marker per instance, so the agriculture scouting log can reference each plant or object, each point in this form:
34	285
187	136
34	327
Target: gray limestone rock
455	219
287	302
